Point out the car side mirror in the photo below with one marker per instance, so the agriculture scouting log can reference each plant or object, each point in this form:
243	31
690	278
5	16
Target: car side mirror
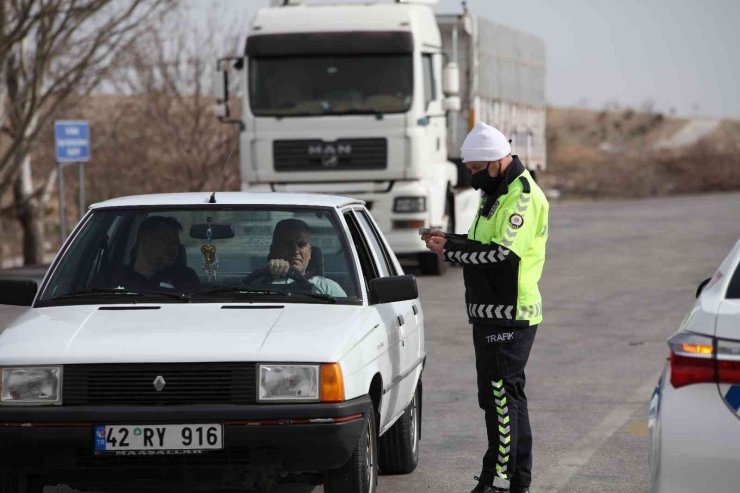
19	292
394	288
702	285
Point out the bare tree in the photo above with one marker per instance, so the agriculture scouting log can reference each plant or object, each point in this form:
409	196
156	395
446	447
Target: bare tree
171	71
51	50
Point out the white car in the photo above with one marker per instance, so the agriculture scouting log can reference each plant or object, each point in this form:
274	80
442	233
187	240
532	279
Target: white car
228	340
695	411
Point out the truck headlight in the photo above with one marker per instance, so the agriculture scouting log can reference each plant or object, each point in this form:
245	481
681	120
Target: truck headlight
31	385
410	204
288	383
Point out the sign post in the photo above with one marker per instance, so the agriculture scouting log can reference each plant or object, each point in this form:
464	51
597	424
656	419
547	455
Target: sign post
72	145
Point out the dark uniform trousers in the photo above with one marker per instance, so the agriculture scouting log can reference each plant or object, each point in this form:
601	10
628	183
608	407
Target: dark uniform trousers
501	353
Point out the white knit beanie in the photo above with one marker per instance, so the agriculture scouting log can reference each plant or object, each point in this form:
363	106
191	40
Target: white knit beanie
484	143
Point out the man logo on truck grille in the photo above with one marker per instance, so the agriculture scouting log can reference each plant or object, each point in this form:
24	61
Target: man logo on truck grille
329	153
159	383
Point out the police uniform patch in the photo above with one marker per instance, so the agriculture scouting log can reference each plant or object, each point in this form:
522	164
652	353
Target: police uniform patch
516	221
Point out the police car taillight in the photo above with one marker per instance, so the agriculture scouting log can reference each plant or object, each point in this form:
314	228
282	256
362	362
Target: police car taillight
728	361
697	358
692	359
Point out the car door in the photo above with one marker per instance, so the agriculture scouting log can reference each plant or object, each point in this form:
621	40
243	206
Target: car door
390	362
405	312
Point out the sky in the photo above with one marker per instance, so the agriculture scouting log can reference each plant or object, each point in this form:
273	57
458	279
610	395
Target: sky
669	55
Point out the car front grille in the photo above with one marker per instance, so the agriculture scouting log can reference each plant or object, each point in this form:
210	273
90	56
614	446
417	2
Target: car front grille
343	154
184	383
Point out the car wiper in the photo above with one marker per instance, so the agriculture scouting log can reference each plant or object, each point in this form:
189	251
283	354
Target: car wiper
236	290
278	292
319	296
105	292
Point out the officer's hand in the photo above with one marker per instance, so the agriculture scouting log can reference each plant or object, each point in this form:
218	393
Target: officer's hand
432	233
436	244
278	267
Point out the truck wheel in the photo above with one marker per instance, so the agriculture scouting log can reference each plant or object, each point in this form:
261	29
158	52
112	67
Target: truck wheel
360	473
399	446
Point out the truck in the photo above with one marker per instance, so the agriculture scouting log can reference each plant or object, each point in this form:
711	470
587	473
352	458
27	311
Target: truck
374	100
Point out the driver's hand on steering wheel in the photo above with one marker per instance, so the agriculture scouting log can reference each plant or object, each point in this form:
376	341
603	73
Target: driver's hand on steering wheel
278	267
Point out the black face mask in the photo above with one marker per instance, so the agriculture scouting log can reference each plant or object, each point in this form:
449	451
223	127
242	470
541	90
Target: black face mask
482	180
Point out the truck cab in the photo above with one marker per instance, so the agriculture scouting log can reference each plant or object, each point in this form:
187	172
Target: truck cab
349	99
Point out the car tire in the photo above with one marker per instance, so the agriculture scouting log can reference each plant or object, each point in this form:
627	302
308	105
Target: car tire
20	483
360	473
399	446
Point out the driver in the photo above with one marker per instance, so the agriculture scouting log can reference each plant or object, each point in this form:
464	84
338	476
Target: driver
155	265
291	251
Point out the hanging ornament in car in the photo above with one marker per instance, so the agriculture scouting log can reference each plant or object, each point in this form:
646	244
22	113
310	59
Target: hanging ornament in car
210	259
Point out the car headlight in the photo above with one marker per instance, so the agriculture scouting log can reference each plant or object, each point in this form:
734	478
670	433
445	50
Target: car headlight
300	382
31	385
410	204
288	383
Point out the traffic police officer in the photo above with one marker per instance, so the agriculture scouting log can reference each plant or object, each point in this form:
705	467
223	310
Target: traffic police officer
502	257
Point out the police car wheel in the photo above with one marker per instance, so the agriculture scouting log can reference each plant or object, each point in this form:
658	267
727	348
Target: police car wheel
360	473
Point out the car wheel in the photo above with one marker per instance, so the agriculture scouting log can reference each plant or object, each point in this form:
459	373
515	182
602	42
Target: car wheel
399	446
20	483
360	473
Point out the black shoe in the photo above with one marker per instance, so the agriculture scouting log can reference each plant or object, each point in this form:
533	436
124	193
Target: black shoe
486	488
525	490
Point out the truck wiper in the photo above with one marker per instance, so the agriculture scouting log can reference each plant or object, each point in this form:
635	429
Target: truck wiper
107	292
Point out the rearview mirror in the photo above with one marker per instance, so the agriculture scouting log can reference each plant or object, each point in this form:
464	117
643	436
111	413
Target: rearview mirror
702	285
218	231
390	289
19	292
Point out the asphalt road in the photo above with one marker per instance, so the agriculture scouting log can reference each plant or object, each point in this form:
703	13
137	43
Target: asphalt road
619	277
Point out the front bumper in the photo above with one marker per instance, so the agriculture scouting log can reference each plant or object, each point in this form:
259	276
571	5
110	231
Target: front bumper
289	438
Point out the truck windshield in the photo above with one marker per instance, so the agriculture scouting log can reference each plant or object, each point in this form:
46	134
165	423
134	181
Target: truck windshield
321	85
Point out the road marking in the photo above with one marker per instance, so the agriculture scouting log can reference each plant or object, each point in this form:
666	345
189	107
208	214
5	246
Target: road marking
580	454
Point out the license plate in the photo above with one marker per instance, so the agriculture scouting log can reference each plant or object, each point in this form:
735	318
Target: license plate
117	438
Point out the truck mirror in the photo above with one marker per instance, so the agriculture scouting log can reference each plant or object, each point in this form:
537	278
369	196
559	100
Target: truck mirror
451	79
221	86
451	103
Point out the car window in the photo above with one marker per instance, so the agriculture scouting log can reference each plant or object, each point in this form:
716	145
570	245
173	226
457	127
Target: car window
377	243
369	268
159	250
733	290
374	247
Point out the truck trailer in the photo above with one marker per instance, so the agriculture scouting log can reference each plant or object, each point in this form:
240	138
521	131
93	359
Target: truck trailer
373	101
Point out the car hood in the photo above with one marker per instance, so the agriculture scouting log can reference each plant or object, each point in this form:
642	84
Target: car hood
183	333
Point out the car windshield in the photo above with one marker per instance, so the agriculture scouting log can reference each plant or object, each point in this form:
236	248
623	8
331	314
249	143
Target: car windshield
320	85
199	254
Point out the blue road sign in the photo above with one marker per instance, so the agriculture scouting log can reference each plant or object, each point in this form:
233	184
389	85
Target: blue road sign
71	141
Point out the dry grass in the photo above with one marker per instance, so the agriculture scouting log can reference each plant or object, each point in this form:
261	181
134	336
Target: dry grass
600	154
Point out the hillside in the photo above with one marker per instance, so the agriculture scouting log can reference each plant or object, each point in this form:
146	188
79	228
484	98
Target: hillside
631	154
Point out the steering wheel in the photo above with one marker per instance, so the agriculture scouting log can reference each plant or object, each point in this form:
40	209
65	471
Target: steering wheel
264	274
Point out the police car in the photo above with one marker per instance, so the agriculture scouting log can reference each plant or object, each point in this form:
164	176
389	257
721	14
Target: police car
694	418
226	340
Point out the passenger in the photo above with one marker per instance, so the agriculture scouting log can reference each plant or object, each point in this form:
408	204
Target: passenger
291	251
156	266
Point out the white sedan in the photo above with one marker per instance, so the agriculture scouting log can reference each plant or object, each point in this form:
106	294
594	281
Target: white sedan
228	340
695	411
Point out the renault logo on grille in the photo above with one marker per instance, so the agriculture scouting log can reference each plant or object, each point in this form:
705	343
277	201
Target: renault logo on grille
159	383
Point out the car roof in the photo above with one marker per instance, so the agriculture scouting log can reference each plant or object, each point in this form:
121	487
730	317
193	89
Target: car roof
230	198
